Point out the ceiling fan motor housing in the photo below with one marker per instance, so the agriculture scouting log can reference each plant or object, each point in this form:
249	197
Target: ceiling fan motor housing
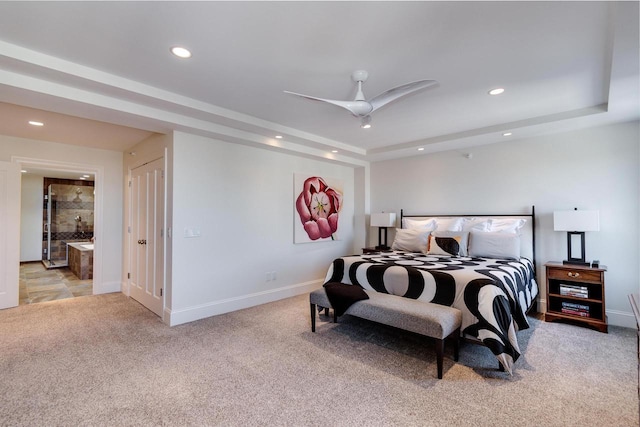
360	108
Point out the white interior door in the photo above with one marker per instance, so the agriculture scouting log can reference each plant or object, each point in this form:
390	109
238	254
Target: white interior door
147	235
9	234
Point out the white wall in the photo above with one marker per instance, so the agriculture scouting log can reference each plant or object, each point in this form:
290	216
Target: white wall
241	199
31	202
594	168
108	168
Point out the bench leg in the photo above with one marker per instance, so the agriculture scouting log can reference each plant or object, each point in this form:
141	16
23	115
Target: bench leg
456	345
313	317
335	315
439	353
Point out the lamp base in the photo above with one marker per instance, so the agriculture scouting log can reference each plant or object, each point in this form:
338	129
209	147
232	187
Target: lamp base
383	248
582	263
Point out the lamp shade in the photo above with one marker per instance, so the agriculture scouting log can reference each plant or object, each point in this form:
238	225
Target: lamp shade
576	220
383	219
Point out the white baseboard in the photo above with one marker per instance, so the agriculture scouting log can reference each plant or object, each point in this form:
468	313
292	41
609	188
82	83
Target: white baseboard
178	317
124	288
621	318
614	317
542	305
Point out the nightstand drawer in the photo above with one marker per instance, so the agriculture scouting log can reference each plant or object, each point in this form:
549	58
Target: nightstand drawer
574	275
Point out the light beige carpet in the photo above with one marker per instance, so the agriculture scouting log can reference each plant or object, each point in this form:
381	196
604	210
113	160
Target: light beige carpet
106	360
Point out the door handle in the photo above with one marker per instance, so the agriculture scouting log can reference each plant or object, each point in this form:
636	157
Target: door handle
142	242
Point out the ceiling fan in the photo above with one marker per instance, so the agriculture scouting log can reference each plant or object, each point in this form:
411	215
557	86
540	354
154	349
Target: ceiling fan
362	108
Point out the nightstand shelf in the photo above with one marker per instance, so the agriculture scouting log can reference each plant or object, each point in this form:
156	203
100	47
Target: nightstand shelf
576	294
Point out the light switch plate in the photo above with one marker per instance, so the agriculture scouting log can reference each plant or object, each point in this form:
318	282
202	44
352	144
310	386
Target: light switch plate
192	232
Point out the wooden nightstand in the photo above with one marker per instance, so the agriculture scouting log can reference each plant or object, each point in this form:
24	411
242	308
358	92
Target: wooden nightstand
576	293
370	250
374	250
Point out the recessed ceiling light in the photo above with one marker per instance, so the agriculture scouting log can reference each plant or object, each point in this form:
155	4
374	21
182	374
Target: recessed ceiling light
82	178
421	149
496	91
278	136
23	171
181	52
86	176
334	151
35	123
507	134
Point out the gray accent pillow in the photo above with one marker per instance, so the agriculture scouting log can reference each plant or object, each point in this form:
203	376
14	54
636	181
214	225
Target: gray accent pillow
494	245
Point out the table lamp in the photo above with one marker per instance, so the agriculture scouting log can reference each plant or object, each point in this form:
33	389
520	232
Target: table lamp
383	220
575	223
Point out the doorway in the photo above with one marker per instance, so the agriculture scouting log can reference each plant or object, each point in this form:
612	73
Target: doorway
63	209
81	222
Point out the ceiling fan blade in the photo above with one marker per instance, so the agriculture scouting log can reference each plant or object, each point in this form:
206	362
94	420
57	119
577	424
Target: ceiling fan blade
357	108
400	91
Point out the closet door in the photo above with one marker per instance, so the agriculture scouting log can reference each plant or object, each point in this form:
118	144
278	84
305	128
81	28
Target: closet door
147	235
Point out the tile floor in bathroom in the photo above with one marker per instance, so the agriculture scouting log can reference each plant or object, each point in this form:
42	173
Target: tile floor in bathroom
37	284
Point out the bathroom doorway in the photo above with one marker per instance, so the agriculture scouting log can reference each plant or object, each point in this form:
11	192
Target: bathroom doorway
69	213
66	207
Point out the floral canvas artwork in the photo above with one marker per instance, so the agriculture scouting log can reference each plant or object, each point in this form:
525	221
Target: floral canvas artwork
318	201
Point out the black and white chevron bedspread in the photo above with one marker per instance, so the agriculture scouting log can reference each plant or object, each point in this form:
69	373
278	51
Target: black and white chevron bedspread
493	294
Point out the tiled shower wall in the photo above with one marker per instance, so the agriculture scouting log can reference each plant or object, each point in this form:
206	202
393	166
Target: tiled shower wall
71	214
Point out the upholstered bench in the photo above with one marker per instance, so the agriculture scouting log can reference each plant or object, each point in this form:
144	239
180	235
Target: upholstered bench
432	320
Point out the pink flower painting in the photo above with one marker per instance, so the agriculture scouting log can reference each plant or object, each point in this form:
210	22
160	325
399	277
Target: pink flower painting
318	206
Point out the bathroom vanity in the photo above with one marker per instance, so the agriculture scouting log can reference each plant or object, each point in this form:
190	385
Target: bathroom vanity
81	259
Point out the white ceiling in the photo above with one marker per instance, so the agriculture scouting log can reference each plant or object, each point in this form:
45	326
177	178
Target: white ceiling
564	65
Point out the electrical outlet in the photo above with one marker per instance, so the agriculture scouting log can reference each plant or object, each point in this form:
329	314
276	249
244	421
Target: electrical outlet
273	275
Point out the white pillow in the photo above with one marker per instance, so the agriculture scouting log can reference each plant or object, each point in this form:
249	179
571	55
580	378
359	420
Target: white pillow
494	244
449	224
411	240
422	224
452	243
506	225
480	224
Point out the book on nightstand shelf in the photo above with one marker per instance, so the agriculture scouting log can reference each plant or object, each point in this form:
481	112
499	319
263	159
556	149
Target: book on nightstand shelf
574	291
581	310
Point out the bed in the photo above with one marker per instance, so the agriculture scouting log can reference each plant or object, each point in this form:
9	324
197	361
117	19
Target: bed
482	265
